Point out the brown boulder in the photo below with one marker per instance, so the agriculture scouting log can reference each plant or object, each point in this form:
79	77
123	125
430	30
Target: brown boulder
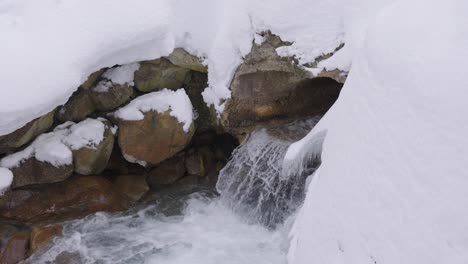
33	171
89	161
158	74
26	134
16	249
76	197
116	95
42	235
166	173
78	107
134	186
200	161
156	138
268	87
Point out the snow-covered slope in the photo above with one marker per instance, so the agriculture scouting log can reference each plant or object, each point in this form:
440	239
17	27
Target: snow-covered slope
393	184
49	47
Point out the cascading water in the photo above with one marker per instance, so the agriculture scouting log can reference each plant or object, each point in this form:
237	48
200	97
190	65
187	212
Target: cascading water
254	184
235	227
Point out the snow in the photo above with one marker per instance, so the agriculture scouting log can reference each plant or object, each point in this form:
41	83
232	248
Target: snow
393	180
56	147
69	44
6	178
176	102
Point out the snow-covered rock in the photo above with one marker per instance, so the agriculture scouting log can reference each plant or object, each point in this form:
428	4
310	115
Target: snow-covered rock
50	157
155	126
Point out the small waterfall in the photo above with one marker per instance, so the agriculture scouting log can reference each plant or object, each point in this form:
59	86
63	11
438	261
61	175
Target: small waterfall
253	182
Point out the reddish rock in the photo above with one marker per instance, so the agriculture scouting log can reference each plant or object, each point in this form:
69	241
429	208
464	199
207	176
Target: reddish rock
16	249
76	197
42	235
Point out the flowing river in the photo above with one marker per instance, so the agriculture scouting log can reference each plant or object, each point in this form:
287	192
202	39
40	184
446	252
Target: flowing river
245	222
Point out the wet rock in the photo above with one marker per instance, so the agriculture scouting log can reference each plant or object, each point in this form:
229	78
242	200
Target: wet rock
166	173
75	197
16	249
158	74
78	107
156	138
194	164
33	171
267	87
200	161
41	236
89	161
24	135
183	59
134	186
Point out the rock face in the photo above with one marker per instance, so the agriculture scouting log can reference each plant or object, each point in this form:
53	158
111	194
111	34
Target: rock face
16	249
26	134
76	197
33	171
92	161
134	186
166	173
158	74
42	235
157	137
267	87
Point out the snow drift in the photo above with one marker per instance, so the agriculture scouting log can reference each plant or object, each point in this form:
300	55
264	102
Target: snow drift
392	187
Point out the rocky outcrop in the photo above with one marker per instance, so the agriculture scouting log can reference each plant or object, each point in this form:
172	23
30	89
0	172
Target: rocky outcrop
93	160
76	197
24	135
267	86
156	138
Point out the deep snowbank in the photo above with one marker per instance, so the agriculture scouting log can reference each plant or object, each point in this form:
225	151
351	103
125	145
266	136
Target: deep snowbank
49	48
393	183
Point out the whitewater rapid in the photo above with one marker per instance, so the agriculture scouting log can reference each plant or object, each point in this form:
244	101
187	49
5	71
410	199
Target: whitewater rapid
246	222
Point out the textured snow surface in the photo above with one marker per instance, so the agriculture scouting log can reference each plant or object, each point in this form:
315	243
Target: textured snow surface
49	48
56	147
176	102
393	184
6	178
